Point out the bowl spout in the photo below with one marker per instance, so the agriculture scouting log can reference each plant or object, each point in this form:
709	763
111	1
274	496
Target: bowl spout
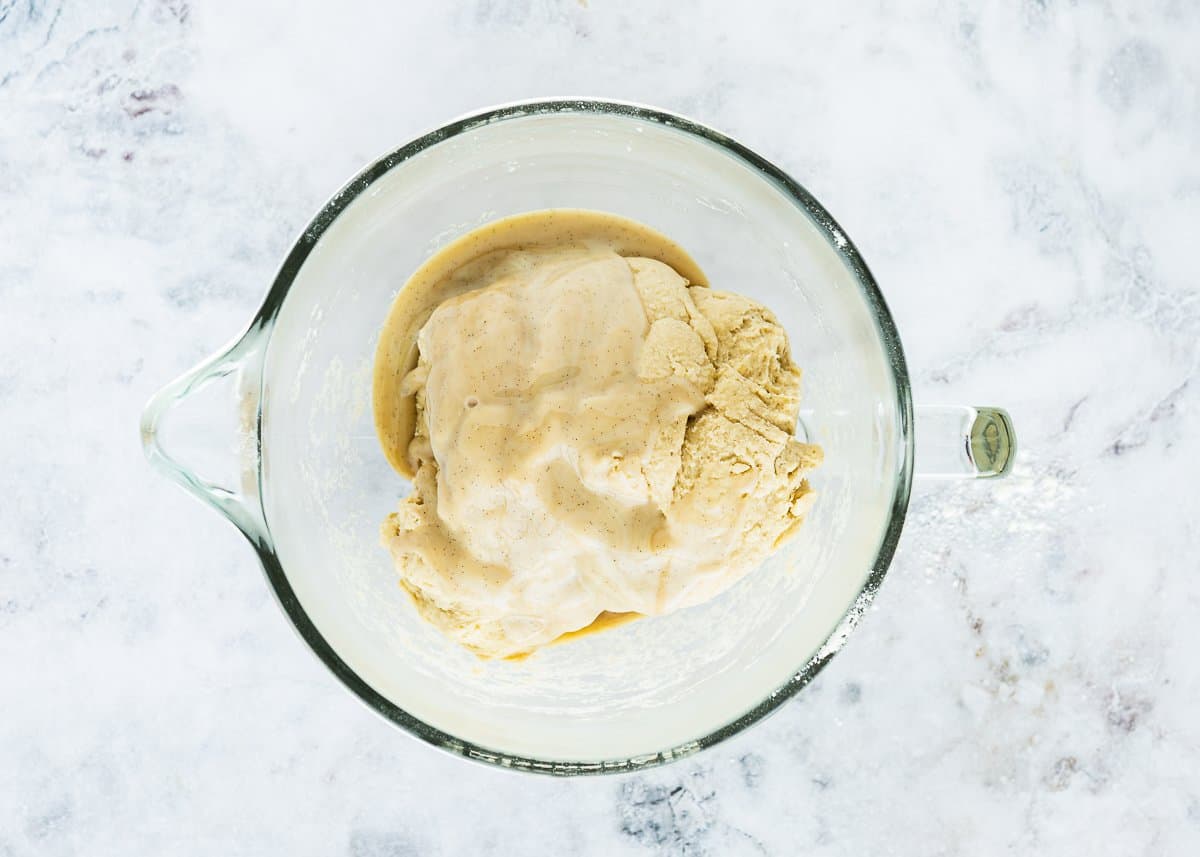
202	432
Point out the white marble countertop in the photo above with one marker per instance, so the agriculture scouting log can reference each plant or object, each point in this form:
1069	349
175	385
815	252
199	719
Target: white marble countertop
1025	183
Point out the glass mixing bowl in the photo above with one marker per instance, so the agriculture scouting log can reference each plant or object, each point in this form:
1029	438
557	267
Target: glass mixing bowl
283	434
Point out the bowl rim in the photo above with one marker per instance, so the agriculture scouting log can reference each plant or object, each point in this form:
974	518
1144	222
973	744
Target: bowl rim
840	243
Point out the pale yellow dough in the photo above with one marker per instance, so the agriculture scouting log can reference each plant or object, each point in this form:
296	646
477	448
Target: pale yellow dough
588	433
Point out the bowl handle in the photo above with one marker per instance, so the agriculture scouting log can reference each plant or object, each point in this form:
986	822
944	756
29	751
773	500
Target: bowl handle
182	417
957	442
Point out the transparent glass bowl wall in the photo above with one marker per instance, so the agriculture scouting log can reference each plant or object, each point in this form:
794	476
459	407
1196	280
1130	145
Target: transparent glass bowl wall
654	689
